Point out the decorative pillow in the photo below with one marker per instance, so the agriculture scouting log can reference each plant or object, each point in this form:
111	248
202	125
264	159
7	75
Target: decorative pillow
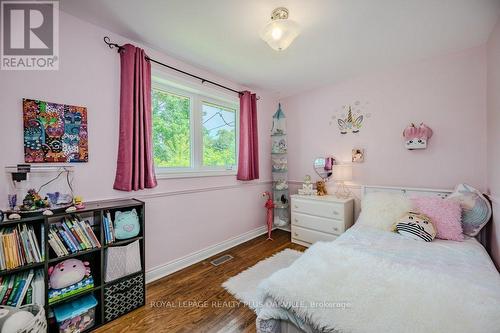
476	209
382	209
126	224
416	226
445	214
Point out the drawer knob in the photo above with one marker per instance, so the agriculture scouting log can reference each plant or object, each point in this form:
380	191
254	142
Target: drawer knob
296	206
335	228
335	212
296	220
295	234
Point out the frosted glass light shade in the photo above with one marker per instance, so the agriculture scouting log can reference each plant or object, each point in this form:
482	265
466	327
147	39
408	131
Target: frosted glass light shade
342	172
280	33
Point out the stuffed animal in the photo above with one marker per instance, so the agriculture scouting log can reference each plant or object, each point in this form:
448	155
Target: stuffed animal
126	224
417	137
416	226
68	272
321	188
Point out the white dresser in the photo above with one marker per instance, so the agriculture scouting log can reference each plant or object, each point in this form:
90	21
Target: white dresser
316	218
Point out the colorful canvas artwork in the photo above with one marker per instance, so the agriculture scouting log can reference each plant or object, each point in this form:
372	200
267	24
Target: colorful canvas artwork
54	133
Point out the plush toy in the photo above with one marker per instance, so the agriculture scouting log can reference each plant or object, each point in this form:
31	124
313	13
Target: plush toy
126	224
416	226
417	137
78	202
321	188
68	272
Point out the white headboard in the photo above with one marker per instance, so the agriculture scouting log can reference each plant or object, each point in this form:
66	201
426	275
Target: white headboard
483	236
410	191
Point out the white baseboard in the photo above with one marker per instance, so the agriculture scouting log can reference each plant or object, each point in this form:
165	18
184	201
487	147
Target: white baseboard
158	272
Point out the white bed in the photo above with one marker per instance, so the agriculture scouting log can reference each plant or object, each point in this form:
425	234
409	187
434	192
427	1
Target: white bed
441	264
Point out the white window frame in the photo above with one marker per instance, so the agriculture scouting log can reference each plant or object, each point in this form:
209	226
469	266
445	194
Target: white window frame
197	94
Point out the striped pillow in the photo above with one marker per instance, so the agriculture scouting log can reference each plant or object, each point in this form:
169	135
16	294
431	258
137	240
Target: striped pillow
416	226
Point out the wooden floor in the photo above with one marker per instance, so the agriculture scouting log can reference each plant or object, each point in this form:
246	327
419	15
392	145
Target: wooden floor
192	300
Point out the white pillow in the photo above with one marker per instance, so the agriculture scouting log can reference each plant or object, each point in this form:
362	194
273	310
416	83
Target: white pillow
382	209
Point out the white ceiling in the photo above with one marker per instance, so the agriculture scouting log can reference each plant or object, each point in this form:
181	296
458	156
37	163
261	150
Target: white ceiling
339	38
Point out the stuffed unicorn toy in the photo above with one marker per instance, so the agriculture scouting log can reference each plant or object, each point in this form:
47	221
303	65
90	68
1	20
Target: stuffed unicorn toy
417	137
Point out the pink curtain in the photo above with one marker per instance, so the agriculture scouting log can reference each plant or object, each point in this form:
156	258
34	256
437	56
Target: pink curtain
134	167
248	160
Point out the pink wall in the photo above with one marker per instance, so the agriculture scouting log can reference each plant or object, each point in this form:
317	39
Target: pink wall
447	93
494	137
177	224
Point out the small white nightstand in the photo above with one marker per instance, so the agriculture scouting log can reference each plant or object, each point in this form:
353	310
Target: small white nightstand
316	218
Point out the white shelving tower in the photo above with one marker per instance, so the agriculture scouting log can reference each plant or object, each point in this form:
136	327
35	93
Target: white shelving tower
279	162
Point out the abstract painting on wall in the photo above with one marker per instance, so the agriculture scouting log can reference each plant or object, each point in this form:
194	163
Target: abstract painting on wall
54	133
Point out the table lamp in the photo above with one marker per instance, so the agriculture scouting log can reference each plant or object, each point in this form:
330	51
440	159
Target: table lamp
341	173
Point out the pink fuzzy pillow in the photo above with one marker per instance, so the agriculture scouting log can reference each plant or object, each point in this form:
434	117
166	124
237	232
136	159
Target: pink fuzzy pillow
445	214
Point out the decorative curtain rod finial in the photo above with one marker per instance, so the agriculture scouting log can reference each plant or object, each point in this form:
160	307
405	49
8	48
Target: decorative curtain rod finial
107	40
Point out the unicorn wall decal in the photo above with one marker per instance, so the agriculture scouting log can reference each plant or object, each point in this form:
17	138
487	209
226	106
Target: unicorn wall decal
350	124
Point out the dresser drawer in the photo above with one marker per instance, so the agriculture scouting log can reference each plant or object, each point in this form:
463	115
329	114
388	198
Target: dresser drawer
310	236
323	224
318	208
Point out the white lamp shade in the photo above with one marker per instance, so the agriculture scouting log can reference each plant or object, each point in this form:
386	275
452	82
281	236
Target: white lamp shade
342	172
279	34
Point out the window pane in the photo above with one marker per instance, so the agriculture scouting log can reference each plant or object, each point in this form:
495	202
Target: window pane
219	135
171	127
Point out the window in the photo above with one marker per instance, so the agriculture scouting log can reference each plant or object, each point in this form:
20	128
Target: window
193	134
219	136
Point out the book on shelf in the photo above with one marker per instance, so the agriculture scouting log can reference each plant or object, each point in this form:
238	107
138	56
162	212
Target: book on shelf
109	231
72	235
56	295
19	246
22	288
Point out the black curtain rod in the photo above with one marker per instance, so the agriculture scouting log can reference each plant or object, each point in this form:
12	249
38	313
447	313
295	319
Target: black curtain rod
203	80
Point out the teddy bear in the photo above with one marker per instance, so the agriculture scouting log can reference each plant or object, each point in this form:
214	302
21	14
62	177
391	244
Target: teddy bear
321	188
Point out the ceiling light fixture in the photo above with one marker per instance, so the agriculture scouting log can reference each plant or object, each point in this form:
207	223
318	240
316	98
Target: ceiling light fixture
280	32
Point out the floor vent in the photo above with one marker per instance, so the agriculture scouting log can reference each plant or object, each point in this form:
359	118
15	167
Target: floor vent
221	260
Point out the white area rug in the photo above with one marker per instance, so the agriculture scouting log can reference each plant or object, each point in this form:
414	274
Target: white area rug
244	285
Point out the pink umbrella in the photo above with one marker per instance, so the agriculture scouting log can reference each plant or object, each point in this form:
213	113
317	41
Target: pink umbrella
270	206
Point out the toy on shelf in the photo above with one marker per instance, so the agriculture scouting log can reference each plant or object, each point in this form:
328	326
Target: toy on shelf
321	188
78	202
36	189
307	187
33	201
281	185
126	224
269	206
67	273
280	164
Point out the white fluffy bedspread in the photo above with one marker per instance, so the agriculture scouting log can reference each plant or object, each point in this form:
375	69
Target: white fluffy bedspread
370	280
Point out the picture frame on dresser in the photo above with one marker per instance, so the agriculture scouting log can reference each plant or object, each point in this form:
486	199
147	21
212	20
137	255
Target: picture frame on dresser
319	218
